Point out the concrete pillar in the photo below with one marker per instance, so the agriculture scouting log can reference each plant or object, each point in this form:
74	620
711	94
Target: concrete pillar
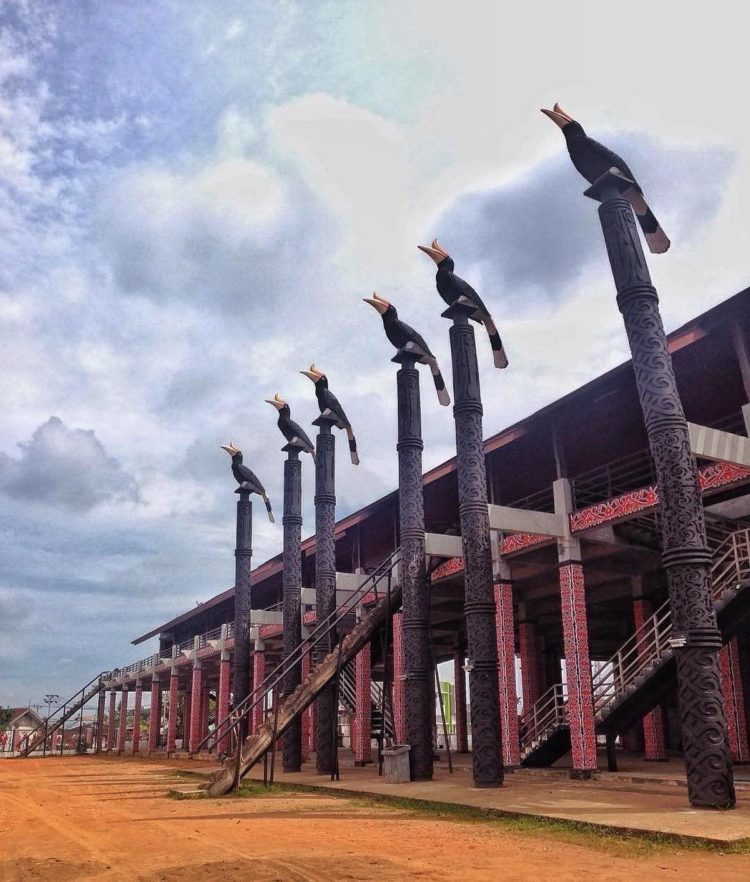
205	707
123	719
100	743
362	734
530	673
154	719
734	699
306	715
259	675
459	692
193	723
174	682
187	715
399	674
222	699
111	719
506	664
136	745
654	743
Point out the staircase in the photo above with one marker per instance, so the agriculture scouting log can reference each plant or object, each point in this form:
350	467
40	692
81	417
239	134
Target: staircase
62	714
643	669
289	708
348	697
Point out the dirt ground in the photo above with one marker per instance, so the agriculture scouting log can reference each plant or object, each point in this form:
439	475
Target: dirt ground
94	818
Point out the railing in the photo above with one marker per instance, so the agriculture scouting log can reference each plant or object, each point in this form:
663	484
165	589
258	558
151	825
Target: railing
44	730
231	724
641	653
348	691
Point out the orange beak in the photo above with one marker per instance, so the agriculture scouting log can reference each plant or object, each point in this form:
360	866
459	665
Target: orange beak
435	251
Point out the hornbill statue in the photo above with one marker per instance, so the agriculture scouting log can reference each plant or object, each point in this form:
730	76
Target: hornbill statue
246	478
327	401
404	337
293	432
453	289
593	160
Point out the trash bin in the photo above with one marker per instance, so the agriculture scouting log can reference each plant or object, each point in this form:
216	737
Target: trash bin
396	764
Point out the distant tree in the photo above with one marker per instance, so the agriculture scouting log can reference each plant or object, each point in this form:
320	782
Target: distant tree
6	715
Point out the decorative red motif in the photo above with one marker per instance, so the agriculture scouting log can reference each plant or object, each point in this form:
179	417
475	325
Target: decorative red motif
310	617
222	708
196	709
266	631
399	693
259	675
580	704
362	728
619	508
721	474
734	701
448	568
506	669
520	541
655	747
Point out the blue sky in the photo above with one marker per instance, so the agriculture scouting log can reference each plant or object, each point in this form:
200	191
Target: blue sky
194	198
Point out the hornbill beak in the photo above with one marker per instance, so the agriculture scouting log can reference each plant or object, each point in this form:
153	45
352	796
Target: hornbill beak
230	448
435	251
379	303
277	401
313	374
558	116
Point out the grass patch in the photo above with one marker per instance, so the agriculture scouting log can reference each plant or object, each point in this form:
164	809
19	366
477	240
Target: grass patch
179	794
184	773
619	843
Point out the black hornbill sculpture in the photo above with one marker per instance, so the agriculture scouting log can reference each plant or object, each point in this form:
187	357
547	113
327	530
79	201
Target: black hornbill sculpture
404	337
293	432
452	288
246	478
593	160
327	401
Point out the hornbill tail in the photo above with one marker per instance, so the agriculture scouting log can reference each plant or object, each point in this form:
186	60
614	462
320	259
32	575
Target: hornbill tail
437	377
498	352
352	445
656	238
268	508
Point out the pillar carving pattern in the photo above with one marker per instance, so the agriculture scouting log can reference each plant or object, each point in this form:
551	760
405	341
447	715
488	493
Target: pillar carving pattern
292	586
734	699
174	683
506	667
362	729
459	700
399	691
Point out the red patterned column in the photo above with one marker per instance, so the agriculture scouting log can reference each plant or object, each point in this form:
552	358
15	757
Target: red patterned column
187	716
154	717
578	669
362	740
399	672
193	723
459	700
136	745
306	715
123	719
111	720
655	747
506	665
734	699
99	743
172	711
222	699
259	675
205	707
529	651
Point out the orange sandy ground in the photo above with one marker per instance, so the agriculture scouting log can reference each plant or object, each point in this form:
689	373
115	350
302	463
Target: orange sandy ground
98	818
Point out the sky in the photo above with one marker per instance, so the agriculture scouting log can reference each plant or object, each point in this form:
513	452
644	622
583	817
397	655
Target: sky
195	196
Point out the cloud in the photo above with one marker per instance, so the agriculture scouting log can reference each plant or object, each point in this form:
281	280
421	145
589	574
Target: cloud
530	240
67	468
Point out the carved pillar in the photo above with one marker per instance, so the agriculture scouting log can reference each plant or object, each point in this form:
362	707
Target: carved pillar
654	744
136	744
362	740
292	587
259	675
187	716
154	715
123	719
222	700
530	685
734	699
416	589
686	557
174	682
193	724
111	719
305	715
459	681
399	683
326	712
100	743
479	605
243	603
506	668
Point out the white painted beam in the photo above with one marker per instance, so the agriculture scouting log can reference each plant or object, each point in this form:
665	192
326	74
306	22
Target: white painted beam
505	519
266	617
720	446
442	545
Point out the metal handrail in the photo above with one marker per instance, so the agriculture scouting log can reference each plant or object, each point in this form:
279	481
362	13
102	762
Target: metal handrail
322	630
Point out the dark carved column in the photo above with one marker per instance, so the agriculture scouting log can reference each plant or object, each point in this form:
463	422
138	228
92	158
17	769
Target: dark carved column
242	600
479	604
326	713
686	557
416	593
292	586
